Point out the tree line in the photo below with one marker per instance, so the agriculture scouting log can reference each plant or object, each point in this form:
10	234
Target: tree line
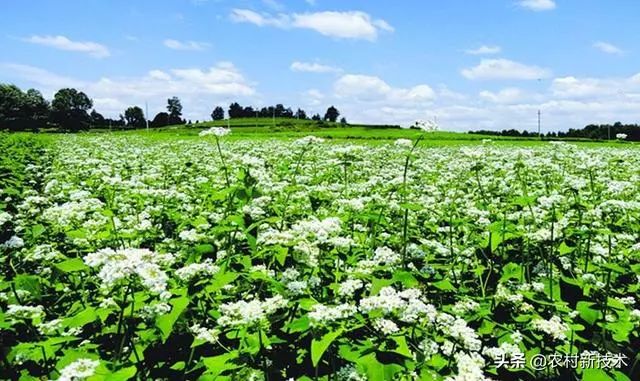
591	131
72	110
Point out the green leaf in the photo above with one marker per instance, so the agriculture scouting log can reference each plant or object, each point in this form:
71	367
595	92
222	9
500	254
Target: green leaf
37	231
71	265
318	347
77	234
29	283
218	364
564	249
511	271
122	374
221	280
298	325
444	285
375	370
619	376
614	267
402	347
281	255
377	284
81	319
406	278
165	322
204	248
594	374
496	240
587	313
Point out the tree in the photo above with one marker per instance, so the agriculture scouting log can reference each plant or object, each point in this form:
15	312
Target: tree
332	114
134	117
235	110
316	117
97	119
218	113
343	121
174	108
300	114
160	120
280	111
35	108
248	112
69	109
22	111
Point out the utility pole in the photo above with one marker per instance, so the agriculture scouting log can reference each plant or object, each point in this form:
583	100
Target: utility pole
274	117
539	131
146	114
539	134
256	118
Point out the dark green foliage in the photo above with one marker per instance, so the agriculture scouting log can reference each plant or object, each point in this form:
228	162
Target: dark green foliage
332	114
134	117
69	110
218	113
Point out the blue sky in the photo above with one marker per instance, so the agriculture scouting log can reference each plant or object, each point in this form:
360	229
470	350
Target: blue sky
487	64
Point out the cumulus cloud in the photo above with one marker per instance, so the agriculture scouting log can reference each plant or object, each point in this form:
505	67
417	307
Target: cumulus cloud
608	48
343	25
503	69
186	45
63	43
538	5
197	87
313	67
595	88
484	50
313	97
374	89
251	17
508	95
567	102
46	80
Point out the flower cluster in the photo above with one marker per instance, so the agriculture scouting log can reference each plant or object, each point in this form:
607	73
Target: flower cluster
121	264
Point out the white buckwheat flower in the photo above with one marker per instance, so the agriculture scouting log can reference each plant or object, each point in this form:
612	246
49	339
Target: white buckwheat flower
79	370
216	131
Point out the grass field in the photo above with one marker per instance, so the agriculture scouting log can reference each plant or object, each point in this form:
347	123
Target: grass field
288	129
278	255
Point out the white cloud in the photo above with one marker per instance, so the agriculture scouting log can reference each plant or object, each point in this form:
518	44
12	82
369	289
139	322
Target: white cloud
484	49
313	97
251	17
186	45
508	95
503	69
198	88
608	48
63	43
313	67
354	24
345	25
373	89
538	5
47	80
595	88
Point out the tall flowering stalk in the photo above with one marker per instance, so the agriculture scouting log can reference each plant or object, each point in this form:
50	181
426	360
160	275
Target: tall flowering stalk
219	132
428	126
306	143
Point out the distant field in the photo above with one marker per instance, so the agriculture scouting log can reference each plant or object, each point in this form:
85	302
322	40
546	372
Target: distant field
263	128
